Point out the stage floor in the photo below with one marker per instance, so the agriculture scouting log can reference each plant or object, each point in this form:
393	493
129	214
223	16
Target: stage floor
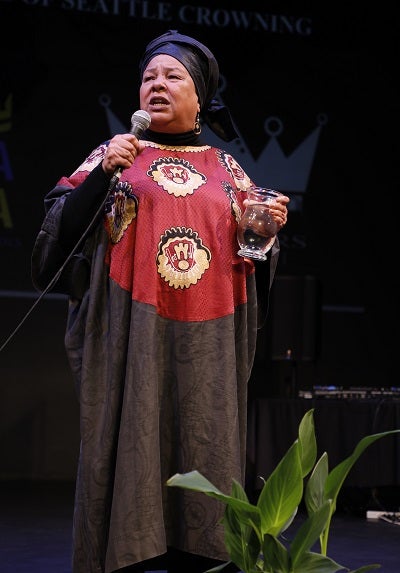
36	523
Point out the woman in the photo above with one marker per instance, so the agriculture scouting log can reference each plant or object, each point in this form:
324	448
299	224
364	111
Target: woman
162	341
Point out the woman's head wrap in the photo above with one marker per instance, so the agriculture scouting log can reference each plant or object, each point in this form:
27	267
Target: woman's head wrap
203	68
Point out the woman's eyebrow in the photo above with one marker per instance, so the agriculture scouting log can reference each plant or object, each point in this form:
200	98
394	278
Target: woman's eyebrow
166	68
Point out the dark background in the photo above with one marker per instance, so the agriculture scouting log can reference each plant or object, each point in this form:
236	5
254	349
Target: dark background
335	300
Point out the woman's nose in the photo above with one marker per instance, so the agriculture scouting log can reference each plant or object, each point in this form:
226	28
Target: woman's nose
158	83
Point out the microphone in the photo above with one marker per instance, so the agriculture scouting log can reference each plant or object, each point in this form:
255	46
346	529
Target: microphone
140	121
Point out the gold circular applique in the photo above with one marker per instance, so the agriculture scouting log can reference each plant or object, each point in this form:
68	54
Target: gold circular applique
182	258
176	176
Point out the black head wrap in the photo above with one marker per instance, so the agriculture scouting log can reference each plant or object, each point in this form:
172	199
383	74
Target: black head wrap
203	68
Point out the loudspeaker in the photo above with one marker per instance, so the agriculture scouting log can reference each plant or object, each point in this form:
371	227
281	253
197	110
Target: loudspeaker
294	318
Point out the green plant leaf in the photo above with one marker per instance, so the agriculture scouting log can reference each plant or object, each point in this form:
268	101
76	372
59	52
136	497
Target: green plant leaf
366	568
282	492
241	540
276	556
314	495
238	491
195	481
309	532
308	442
249	513
337	476
316	563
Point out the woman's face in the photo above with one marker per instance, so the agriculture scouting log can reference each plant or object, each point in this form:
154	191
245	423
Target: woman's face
168	94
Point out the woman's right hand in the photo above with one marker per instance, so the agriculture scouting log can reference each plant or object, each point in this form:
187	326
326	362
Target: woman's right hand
121	152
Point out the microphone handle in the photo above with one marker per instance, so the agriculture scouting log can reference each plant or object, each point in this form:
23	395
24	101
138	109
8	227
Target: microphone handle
137	129
114	179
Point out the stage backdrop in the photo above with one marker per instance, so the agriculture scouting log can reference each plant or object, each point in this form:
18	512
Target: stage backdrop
313	96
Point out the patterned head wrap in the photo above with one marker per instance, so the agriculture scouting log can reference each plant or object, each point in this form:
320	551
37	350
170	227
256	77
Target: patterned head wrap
203	68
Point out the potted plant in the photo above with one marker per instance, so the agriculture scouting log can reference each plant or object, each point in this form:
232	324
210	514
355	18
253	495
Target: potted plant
253	532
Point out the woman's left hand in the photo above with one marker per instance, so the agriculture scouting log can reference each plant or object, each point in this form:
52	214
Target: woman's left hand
277	208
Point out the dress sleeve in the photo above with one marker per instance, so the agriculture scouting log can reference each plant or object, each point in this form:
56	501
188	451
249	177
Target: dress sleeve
70	207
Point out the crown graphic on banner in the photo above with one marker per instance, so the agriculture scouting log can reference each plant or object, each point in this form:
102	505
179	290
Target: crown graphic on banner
272	168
